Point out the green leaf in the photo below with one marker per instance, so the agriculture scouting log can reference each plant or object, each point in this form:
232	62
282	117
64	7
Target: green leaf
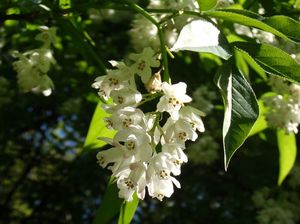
271	59
205	5
281	26
251	62
287	153
202	36
127	211
65	4
297	4
261	123
286	25
110	205
241	109
97	128
241	63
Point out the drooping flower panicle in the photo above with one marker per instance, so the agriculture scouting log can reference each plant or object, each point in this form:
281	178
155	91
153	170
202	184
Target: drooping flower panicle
283	107
144	153
33	66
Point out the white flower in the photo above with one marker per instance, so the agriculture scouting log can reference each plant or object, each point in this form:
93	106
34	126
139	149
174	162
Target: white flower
283	109
111	155
172	100
47	92
125	71
143	63
178	131
294	90
143	34
32	67
135	182
133	158
28	76
282	113
132	143
136	142
42	59
160	182
125	118
174	4
48	35
279	85
23	65
175	150
176	157
112	81
123	98
131	117
192	115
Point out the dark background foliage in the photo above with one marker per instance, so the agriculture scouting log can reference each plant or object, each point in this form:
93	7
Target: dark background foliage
45	177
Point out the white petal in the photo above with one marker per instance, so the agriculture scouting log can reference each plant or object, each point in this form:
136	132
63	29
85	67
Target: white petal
176	182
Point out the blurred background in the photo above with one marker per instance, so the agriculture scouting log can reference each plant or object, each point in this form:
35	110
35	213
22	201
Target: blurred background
46	177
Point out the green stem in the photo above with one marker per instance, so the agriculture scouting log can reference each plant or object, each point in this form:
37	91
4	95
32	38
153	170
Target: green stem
166	76
141	11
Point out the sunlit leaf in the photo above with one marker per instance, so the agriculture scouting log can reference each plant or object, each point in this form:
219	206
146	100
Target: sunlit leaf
287	153
241	109
286	25
282	26
202	36
207	4
271	59
127	211
65	4
241	64
297	4
261	123
97	128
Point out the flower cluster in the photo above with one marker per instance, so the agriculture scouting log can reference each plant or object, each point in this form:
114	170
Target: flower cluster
283	108
33	65
145	153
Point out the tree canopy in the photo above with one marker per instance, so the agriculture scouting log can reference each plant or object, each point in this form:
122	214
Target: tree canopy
238	62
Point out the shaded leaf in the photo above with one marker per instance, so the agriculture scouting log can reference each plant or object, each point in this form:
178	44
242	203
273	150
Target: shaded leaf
202	36
271	59
287	153
241	109
110	205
